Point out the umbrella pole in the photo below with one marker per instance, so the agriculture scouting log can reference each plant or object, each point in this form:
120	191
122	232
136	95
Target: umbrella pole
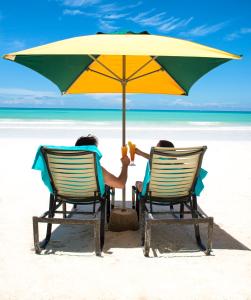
124	120
125	218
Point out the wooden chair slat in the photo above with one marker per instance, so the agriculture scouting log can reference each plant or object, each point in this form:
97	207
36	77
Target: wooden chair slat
160	170
169	161
164	187
71	161
174	167
74	177
72	171
75	156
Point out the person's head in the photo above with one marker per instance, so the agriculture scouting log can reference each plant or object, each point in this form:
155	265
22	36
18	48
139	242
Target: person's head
165	143
89	140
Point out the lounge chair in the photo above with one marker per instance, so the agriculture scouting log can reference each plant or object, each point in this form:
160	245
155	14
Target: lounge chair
171	178
73	175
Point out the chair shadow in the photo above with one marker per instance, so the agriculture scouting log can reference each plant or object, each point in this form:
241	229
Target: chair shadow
80	238
181	239
76	239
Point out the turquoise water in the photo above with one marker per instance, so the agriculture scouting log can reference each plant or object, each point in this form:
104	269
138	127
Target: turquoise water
142	116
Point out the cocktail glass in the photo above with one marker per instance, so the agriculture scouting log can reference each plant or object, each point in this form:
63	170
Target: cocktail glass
124	151
132	148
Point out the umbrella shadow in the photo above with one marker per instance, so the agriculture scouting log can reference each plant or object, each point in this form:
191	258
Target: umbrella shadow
76	239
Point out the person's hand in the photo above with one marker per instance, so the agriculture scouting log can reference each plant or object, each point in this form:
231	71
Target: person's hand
125	161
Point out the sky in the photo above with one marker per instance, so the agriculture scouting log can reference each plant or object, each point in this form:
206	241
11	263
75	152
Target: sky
221	24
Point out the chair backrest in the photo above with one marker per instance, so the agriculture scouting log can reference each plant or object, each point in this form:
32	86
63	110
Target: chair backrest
174	171
73	173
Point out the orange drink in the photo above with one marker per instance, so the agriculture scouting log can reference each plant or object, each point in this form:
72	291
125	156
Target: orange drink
132	148
124	151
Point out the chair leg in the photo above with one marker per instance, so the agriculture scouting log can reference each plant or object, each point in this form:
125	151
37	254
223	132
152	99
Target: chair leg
196	226
147	238
141	204
108	203
210	236
102	223
97	237
36	236
108	209
198	238
49	225
137	204
181	210
133	196
113	198
64	210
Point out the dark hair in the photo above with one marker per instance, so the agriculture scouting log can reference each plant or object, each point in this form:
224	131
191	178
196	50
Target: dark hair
87	140
164	143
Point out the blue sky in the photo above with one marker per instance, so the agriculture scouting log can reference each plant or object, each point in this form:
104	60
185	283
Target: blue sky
221	24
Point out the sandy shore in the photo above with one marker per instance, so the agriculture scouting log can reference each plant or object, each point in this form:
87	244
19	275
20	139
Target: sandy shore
175	269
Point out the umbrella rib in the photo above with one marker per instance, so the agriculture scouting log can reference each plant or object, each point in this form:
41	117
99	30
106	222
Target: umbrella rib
137	77
140	68
104	66
100	73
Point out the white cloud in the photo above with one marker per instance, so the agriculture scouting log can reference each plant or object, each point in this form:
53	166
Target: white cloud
237	34
107	25
114	7
26	93
160	21
245	30
146	20
115	16
78	12
204	29
108	98
186	104
15	45
22	101
174	23
79	3
232	36
72	12
182	102
27	97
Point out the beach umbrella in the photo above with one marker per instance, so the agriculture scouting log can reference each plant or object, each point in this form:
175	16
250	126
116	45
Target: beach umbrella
122	63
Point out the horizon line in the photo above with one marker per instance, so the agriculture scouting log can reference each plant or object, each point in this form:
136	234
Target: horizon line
120	109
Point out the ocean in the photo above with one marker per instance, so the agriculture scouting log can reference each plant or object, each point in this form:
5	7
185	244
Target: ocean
143	122
110	115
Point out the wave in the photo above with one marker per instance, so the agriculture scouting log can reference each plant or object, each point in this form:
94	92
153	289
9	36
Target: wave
205	123
116	125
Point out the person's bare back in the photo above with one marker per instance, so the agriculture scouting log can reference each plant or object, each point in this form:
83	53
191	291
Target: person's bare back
109	178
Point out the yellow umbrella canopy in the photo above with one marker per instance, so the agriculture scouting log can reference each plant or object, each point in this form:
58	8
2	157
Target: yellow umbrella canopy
150	63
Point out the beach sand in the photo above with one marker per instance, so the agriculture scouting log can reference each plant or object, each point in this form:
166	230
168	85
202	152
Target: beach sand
175	270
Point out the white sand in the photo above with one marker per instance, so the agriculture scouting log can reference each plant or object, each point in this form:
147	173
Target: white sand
175	269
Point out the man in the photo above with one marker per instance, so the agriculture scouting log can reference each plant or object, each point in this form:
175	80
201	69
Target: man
109	179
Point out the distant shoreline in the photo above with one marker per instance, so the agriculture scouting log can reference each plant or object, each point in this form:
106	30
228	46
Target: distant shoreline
116	109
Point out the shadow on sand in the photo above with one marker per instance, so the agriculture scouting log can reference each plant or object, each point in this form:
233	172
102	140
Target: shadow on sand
78	239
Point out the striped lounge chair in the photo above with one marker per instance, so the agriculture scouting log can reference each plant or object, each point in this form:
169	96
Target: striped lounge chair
73	175
170	180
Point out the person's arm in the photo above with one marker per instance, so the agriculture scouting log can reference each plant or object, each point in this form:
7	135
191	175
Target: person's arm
141	153
117	182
